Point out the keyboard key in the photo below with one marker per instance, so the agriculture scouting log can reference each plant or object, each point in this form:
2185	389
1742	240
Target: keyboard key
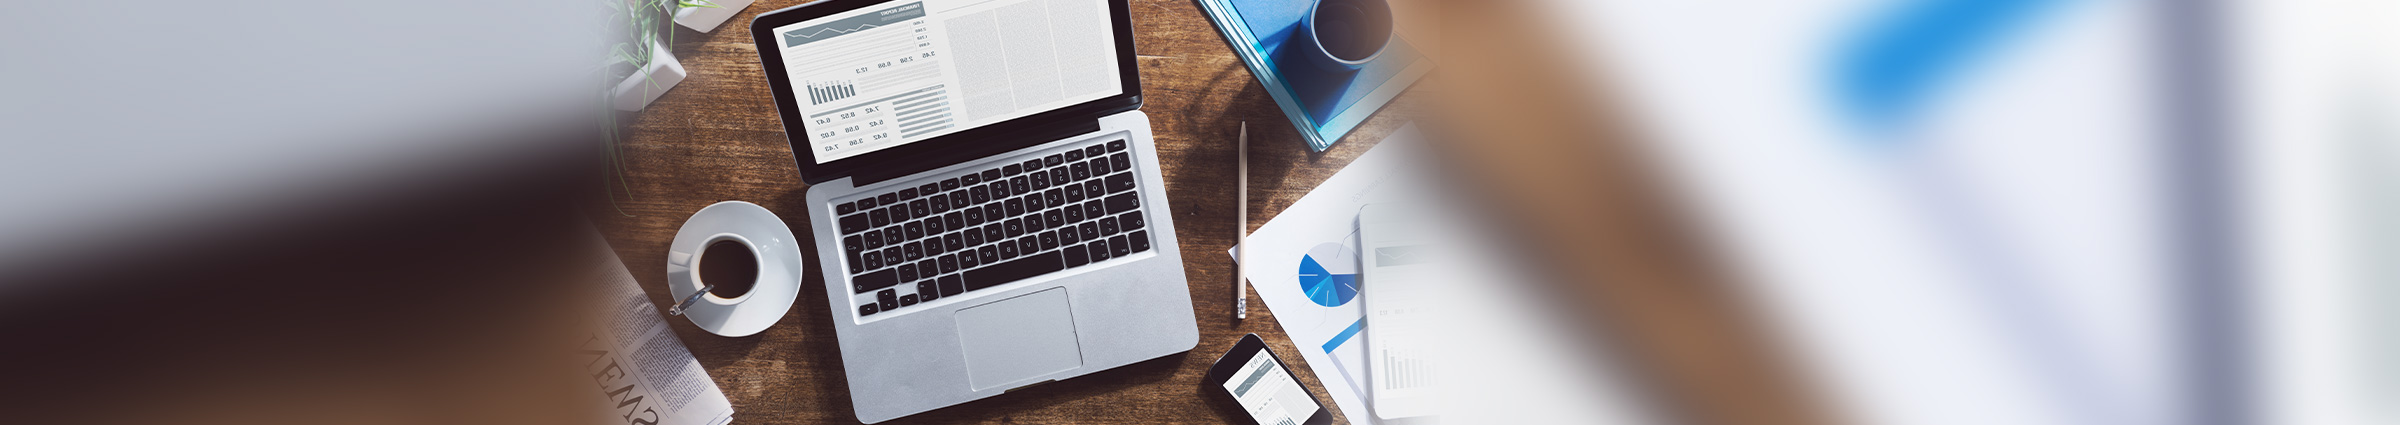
1029	244
1122	202
1053	218
929	267
907	194
1054	197
908	272
874	240
1117	246
1120	162
1069	237
1012	169
991	212
929	189
968	259
1034	223
925	291
908	300
872	260
1116	145
1040	181
881	218
1053	160
844	208
1092	208
949	264
917	208
899	213
1008	250
914	252
1080	170
1108	226
1098	248
970	179
953	242
956	220
1019	269
867	309
872	281
933	226
1074	214
999	189
993	232
940	203
951	285
1119	182
851	248
1099	165
1140	241
1131	221
916	229
1015	227
854	223
1058	175
1075	256
1016	207
866	204
979	194
1089	229
933	246
887	199
1074	155
990	175
893	236
1033	203
1094	151
1033	165
1093	188
987	254
951	184
891	255
973	237
1018	185
1049	240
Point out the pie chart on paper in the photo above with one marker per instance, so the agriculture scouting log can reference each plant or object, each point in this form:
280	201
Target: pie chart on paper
1329	275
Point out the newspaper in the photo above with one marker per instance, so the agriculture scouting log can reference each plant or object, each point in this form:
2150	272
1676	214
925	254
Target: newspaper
638	366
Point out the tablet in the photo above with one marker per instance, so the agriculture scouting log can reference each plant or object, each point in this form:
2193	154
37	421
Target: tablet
1252	380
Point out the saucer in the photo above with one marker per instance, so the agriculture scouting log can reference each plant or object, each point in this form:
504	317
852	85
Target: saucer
779	272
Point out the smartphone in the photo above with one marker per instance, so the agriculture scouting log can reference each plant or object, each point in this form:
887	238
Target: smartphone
1251	379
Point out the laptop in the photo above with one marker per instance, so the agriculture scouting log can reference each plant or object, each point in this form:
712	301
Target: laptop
983	190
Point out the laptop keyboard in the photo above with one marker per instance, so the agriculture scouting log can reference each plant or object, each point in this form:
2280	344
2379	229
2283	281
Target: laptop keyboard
982	228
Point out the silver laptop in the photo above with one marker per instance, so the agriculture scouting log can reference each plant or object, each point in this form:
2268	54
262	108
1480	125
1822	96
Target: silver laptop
984	193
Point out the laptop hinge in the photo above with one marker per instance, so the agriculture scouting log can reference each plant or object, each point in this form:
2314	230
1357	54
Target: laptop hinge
905	168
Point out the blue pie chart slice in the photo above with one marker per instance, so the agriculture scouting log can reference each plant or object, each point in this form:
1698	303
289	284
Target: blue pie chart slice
1329	275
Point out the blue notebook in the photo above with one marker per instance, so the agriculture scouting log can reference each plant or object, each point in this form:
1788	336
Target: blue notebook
1323	105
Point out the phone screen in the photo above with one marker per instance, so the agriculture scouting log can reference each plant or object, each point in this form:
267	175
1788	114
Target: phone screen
1265	389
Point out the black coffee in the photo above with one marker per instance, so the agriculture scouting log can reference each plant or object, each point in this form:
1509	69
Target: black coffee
730	266
1353	29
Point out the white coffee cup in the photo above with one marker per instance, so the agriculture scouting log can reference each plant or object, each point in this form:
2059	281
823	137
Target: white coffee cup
693	264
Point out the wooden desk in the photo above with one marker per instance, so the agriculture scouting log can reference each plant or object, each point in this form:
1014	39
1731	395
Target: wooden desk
715	137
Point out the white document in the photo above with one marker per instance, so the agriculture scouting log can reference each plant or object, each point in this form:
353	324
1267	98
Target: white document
1973	241
637	366
1524	361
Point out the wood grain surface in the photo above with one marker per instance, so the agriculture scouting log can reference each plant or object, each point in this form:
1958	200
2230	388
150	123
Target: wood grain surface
715	137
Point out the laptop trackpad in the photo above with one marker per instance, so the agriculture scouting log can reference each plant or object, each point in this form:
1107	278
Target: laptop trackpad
1018	338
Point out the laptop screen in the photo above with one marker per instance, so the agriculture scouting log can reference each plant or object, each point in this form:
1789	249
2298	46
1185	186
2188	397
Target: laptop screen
896	73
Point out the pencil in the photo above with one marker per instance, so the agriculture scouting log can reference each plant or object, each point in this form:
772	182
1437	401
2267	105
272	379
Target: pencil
1241	229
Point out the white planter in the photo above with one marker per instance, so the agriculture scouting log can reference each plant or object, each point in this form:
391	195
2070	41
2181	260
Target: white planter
641	88
705	19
